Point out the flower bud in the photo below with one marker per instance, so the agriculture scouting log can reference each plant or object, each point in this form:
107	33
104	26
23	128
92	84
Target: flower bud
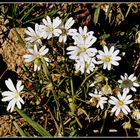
106	89
126	125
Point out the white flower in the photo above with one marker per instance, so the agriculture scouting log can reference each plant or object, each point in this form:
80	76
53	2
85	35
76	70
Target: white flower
34	36
82	50
36	56
84	32
13	96
98	97
108	57
51	27
121	103
66	30
136	114
83	66
128	82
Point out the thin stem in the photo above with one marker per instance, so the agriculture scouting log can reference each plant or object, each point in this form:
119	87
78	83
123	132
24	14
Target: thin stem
72	90
47	73
104	119
126	132
78	92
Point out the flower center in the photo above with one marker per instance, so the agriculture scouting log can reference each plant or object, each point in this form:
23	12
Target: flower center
37	37
50	29
127	83
38	56
82	50
107	59
64	31
121	103
17	94
37	60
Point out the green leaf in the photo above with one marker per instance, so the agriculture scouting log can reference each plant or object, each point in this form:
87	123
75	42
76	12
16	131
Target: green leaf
19	129
96	15
107	14
73	133
42	16
28	12
34	124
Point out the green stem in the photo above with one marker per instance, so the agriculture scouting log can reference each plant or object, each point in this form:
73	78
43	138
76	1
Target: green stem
48	75
78	91
104	119
72	90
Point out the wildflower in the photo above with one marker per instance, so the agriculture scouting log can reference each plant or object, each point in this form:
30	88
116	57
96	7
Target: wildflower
121	104
83	66
34	36
84	32
51	28
136	114
36	56
98	98
108	57
82	50
66	30
128	82
13	96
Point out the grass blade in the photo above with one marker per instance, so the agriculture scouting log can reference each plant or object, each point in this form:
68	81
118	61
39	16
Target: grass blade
107	14
19	129
42	16
27	14
35	125
96	15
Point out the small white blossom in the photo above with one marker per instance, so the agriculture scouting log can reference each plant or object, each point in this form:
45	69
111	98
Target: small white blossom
121	104
36	56
34	36
51	28
83	49
83	66
66	30
99	98
136	114
108	57
13	95
128	82
84	32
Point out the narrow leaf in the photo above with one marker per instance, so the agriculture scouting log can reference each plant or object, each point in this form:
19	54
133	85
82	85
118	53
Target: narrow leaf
34	124
107	14
19	129
96	15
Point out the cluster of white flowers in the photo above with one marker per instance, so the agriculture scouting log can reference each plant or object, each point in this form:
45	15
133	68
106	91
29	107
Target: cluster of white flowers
122	101
82	52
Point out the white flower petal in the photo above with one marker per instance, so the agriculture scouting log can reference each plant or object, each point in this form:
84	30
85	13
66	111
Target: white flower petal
133	89
18	104
7	93
8	98
136	84
124	111
117	111
10	85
